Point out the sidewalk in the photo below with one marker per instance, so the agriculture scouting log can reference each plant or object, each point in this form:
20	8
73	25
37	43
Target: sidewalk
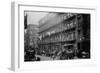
44	58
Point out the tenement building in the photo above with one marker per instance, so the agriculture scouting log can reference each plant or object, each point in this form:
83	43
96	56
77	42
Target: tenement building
64	31
31	36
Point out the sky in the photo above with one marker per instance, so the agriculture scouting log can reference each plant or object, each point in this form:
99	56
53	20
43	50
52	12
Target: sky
33	17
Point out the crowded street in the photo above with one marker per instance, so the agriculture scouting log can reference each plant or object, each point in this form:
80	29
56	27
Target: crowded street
56	36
